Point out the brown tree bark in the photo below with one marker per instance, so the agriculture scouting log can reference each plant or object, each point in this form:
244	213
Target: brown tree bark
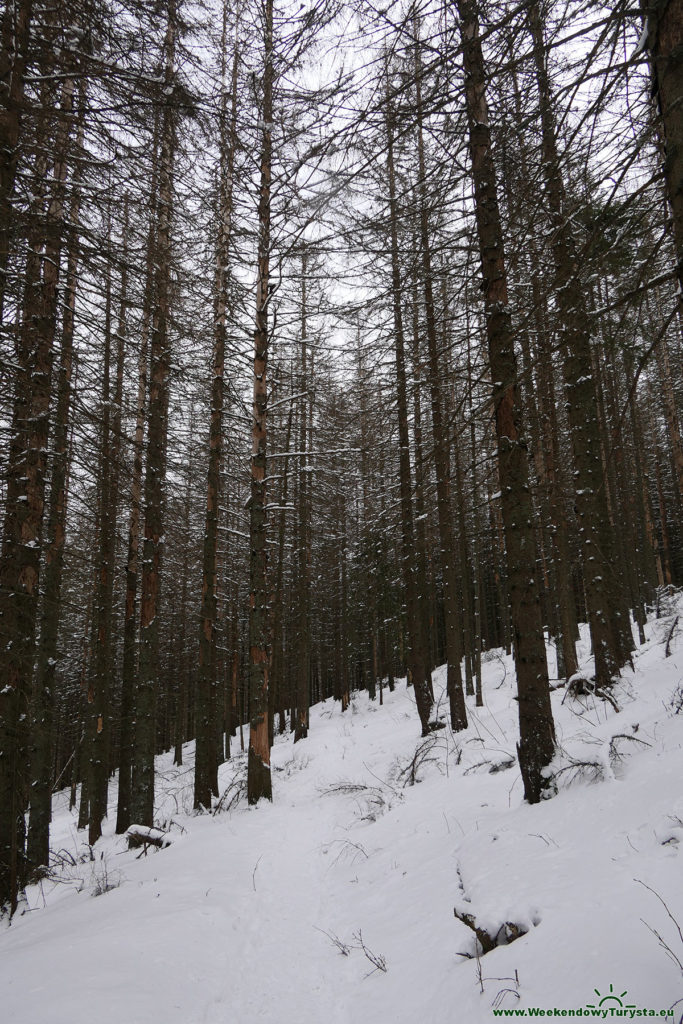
259	784
449	558
130	619
20	560
303	660
580	388
97	722
670	411
664	40
38	840
559	532
144	744
15	34
205	777
536	727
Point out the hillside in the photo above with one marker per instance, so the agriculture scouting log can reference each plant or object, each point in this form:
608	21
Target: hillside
373	837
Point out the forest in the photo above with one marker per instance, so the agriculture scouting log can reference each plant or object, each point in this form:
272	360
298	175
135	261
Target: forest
340	341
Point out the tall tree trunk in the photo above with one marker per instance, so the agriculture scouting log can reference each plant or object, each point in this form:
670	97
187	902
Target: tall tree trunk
14	50
206	754
536	727
278	659
303	661
559	533
449	560
365	628
102	662
668	401
182	693
424	590
20	561
259	784
417	662
580	385
130	617
43	712
664	39
144	745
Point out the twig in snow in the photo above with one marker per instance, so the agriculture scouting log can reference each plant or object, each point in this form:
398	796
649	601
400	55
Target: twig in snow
376	959
498	1001
253	874
666	947
409	773
348	849
342	946
614	754
382	782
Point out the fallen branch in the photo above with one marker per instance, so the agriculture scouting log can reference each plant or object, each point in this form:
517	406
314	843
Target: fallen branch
667	649
605	695
143	835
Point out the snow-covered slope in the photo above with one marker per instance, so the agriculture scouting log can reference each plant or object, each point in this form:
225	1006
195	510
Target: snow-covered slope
261	914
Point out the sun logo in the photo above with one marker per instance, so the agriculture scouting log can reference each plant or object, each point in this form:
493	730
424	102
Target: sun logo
610	997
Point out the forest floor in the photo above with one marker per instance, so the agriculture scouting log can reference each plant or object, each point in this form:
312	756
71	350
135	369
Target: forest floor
336	903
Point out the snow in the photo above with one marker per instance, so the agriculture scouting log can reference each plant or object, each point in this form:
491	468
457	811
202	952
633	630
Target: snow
260	914
145	834
643	40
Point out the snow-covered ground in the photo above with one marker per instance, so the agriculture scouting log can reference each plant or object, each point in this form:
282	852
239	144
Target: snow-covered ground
261	914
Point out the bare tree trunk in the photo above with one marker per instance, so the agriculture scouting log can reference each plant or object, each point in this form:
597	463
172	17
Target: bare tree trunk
670	412
43	713
452	611
365	627
665	32
417	668
259	784
97	722
478	596
14	48
278	659
559	534
344	629
129	670
420	503
536	727
206	761
580	384
303	661
184	656
144	745
20	560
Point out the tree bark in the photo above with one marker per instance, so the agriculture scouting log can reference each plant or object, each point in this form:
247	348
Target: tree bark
665	43
580	388
259	784
206	759
417	664
303	661
130	649
536	727
20	561
449	560
43	713
144	744
14	50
